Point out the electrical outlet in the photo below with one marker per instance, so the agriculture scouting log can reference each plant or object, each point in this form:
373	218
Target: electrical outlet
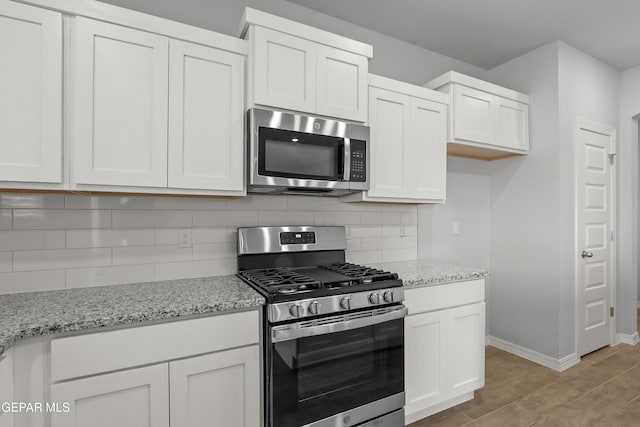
456	228
403	230
348	230
185	239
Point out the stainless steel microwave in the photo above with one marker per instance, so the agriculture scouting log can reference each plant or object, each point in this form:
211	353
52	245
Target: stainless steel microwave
299	154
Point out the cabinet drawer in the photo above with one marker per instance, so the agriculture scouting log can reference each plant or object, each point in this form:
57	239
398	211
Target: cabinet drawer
429	298
98	352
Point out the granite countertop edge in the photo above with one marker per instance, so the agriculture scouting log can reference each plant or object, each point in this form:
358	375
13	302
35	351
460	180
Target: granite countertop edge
41	313
425	272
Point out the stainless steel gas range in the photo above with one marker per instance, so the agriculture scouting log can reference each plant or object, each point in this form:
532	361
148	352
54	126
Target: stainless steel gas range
333	331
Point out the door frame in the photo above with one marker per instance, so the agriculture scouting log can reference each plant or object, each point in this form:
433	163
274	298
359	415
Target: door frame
592	126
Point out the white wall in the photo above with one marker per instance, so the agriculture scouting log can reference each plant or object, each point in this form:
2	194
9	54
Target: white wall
524	291
628	254
588	89
467	204
391	57
58	241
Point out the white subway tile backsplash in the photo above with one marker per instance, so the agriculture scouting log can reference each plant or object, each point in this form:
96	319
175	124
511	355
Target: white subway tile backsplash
336	218
31	201
409	242
257	203
6	259
275	218
191	269
390	255
384	218
211	235
214	251
364	257
360	207
309	203
152	218
228	218
37	219
6	218
21	240
54	259
410	217
150	254
185	203
167	236
29	281
365	231
371	243
110	238
107	202
114	275
391	230
53	241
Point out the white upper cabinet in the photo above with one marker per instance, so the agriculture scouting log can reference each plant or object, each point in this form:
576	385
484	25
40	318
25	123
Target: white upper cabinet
206	110
487	121
30	96
120	105
300	68
152	114
407	143
284	70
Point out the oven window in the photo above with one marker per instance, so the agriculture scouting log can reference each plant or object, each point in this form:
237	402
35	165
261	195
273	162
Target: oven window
315	377
300	155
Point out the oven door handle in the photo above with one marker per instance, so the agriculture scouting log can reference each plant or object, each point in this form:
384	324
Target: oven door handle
300	330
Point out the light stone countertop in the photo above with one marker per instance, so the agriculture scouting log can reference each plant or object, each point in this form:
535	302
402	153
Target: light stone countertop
424	272
40	313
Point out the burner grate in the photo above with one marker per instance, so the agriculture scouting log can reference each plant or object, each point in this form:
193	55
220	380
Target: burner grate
281	280
364	273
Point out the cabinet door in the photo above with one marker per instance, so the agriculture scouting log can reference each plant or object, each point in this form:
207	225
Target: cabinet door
6	386
341	89
473	115
206	113
389	114
216	389
425	360
427	150
466	348
30	94
512	124
132	398
120	105
284	70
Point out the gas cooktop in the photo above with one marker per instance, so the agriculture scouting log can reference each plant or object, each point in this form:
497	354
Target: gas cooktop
286	284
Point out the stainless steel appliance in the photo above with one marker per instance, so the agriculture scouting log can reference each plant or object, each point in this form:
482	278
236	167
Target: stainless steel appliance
298	154
333	331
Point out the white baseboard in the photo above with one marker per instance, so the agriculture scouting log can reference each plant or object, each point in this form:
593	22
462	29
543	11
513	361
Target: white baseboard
631	339
539	358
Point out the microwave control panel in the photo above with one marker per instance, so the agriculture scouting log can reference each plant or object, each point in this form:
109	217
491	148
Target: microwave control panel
358	161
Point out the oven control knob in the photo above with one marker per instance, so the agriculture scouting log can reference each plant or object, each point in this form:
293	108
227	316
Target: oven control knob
374	298
388	296
345	303
296	310
314	307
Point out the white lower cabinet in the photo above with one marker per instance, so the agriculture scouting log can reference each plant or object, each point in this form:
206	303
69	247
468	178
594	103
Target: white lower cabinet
223	388
6	387
444	346
132	398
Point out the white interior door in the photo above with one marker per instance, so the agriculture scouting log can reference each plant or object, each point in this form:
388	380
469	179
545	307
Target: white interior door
595	194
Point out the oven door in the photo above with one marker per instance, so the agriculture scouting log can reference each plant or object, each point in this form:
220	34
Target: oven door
337	371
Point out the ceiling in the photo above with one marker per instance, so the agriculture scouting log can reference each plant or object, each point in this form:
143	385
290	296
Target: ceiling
487	33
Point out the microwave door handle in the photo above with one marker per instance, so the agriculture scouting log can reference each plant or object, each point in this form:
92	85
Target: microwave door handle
346	176
296	330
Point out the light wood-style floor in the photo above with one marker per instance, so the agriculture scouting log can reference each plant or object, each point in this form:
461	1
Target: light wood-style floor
602	390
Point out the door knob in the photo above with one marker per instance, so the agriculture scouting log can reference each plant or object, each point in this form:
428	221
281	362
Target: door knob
586	254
